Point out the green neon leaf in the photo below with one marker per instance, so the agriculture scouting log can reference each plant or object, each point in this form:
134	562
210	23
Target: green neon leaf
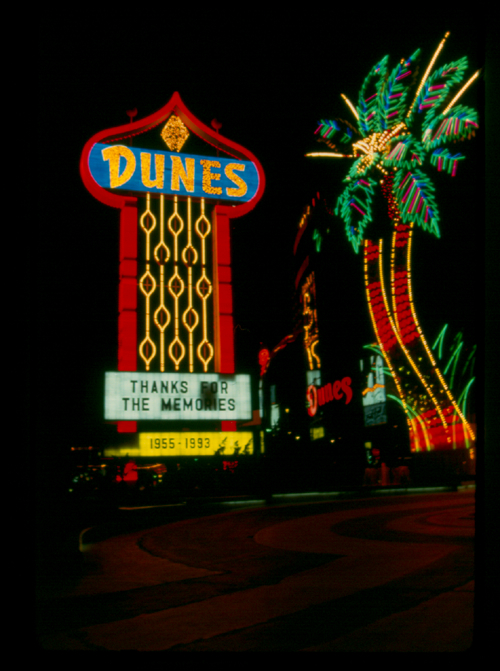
414	193
440	340
407	408
470	359
357	170
435	90
405	152
338	134
454	357
354	206
443	160
392	99
463	396
318	239
457	124
368	107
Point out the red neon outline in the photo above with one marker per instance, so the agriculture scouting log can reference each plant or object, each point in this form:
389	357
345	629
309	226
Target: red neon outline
302	269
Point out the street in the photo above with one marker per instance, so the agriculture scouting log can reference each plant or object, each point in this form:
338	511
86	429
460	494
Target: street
382	573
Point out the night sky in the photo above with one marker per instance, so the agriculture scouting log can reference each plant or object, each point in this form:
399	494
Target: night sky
268	85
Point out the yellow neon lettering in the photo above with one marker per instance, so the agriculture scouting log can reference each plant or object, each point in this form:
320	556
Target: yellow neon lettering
113	154
146	170
208	176
185	174
236	179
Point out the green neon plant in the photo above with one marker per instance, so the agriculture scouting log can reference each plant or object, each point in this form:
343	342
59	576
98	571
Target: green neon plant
459	381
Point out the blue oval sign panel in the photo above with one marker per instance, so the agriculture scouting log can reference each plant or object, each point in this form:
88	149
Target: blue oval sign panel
146	170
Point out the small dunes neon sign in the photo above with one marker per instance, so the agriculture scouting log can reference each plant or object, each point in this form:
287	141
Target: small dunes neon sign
318	396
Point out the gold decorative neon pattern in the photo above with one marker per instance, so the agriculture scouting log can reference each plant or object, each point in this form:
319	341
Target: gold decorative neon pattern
174	133
147	348
205	351
176	312
176	286
147	284
303	219
310	320
162	254
190	317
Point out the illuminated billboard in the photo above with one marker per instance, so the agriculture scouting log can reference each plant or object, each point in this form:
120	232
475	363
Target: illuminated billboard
374	396
196	443
176	396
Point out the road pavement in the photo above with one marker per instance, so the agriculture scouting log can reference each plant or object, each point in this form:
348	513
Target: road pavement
394	574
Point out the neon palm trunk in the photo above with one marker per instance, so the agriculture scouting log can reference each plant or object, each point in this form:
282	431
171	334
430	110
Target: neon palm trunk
434	418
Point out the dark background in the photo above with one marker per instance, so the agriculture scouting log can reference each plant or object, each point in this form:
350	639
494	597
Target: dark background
268	83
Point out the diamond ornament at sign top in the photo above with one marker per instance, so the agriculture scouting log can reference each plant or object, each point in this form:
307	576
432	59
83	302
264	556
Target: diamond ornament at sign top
174	133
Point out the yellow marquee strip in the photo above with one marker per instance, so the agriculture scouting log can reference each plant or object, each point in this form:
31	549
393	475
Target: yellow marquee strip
196	443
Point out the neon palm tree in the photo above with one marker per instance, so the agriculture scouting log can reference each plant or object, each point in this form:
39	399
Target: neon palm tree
401	122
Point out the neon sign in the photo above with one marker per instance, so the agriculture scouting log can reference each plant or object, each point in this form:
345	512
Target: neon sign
175	299
142	170
312	400
374	396
318	396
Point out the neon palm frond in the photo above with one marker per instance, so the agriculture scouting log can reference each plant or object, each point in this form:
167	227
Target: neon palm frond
443	160
450	369
337	134
406	152
463	396
436	89
392	101
354	206
457	124
369	120
440	340
414	194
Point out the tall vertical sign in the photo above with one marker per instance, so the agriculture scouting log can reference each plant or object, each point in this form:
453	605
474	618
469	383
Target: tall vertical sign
177	184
